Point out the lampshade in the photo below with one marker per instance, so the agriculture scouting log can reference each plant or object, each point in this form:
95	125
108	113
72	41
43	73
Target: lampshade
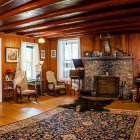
39	66
41	40
41	62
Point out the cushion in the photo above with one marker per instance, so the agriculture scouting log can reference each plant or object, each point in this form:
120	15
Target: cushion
23	84
56	87
60	87
51	77
28	92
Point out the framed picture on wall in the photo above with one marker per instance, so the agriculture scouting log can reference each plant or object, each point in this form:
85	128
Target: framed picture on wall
53	53
12	54
43	55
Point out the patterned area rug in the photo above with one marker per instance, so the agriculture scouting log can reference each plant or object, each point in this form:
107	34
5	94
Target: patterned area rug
66	124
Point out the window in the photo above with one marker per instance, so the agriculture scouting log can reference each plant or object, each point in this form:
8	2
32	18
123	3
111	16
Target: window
29	62
29	59
67	50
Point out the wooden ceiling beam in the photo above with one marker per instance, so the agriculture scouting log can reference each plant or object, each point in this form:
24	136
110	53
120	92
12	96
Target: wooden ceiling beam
98	29
121	30
85	24
86	8
70	35
28	7
80	19
83	33
3	2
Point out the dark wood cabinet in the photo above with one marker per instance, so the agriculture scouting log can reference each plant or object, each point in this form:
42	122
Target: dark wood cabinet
106	86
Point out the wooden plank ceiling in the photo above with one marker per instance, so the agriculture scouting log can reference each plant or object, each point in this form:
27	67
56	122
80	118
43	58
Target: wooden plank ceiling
66	18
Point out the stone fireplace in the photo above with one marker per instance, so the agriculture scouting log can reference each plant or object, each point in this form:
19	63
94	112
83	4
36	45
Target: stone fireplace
121	67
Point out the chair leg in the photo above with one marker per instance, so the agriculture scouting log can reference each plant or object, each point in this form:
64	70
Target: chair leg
28	97
21	98
17	98
35	98
55	92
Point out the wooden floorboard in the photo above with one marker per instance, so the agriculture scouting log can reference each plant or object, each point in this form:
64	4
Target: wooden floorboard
12	111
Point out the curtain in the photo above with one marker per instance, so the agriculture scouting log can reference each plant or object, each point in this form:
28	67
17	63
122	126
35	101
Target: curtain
36	56
21	65
60	59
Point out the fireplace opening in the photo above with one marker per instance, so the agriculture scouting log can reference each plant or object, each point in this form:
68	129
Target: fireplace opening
107	86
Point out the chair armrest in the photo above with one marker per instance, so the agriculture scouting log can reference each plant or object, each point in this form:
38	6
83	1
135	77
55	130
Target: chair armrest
61	83
31	85
51	83
18	86
18	89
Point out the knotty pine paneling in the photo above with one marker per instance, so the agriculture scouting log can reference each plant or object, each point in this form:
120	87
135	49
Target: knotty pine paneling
134	49
45	66
53	61
12	40
129	43
86	44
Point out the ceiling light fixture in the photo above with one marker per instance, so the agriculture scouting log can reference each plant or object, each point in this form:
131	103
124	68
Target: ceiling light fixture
41	40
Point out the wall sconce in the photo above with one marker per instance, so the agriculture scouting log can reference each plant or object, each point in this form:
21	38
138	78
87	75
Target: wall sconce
41	40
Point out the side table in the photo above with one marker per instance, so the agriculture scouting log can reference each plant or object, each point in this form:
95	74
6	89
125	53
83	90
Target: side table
8	88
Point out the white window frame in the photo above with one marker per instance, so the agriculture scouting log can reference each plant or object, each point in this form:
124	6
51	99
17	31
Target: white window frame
32	77
60	57
36	55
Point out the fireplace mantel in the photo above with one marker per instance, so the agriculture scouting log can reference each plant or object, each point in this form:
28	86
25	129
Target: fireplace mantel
121	67
108	58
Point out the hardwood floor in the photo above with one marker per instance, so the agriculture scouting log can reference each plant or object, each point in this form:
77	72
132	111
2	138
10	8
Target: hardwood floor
12	111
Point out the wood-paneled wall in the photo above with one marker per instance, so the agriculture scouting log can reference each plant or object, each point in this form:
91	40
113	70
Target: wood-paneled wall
13	40
129	43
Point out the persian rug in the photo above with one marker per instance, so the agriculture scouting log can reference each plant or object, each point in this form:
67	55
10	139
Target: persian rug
66	124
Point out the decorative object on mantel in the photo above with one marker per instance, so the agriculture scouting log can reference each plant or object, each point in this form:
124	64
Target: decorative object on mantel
118	50
106	38
96	53
88	54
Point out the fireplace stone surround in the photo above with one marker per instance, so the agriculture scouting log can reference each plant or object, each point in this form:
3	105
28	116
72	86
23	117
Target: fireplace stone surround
121	67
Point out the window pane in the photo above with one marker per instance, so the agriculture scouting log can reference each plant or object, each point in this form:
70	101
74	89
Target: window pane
29	70
29	62
69	49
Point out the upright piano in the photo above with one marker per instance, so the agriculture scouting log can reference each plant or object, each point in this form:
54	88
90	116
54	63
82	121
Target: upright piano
78	73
